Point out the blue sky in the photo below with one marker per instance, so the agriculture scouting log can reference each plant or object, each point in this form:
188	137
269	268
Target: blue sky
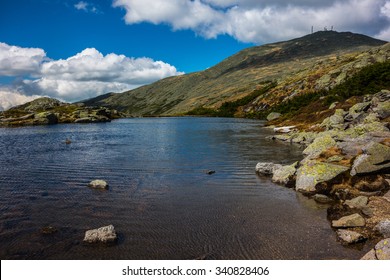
72	50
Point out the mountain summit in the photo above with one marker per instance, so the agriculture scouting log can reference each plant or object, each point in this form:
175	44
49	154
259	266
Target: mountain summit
313	55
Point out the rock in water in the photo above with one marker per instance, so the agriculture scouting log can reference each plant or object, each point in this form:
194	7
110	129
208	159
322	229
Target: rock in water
349	236
382	249
98	184
267	168
284	174
105	234
354	220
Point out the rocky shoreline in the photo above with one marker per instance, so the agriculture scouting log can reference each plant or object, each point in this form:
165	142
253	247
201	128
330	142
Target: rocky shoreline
48	111
346	165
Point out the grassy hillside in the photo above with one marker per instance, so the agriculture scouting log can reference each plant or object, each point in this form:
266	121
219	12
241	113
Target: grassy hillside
297	66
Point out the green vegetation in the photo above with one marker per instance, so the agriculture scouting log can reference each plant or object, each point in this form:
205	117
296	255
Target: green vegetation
369	80
229	109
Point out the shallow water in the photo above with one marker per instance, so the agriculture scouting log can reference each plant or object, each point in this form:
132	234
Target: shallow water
161	201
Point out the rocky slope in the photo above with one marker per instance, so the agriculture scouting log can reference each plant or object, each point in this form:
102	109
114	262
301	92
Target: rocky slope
315	61
51	111
346	165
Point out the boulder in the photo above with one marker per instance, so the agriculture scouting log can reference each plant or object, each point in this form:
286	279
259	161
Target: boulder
382	249
105	234
357	202
284	174
45	118
382	109
358	108
312	172
364	128
321	198
370	256
336	121
319	145
273	116
98	184
383	227
376	157
349	236
267	168
354	220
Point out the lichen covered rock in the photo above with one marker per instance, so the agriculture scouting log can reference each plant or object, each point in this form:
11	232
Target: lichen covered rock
312	173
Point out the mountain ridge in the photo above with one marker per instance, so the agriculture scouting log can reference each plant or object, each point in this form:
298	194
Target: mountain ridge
235	77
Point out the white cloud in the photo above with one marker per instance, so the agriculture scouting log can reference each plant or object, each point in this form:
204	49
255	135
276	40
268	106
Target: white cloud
81	6
17	61
86	7
11	98
84	75
260	21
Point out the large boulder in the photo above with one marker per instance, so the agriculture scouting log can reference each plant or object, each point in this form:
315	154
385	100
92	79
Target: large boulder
105	234
354	220
267	168
312	173
284	174
376	157
319	145
382	249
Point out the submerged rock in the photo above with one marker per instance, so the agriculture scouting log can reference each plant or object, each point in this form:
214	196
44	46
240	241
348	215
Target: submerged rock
349	236
354	220
105	234
98	184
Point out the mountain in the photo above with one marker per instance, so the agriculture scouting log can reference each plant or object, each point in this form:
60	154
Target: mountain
318	60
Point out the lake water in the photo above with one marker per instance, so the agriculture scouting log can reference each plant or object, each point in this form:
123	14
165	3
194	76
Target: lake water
161	201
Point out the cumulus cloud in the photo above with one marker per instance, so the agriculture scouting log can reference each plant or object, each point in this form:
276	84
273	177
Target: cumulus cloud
10	98
260	21
84	75
17	61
